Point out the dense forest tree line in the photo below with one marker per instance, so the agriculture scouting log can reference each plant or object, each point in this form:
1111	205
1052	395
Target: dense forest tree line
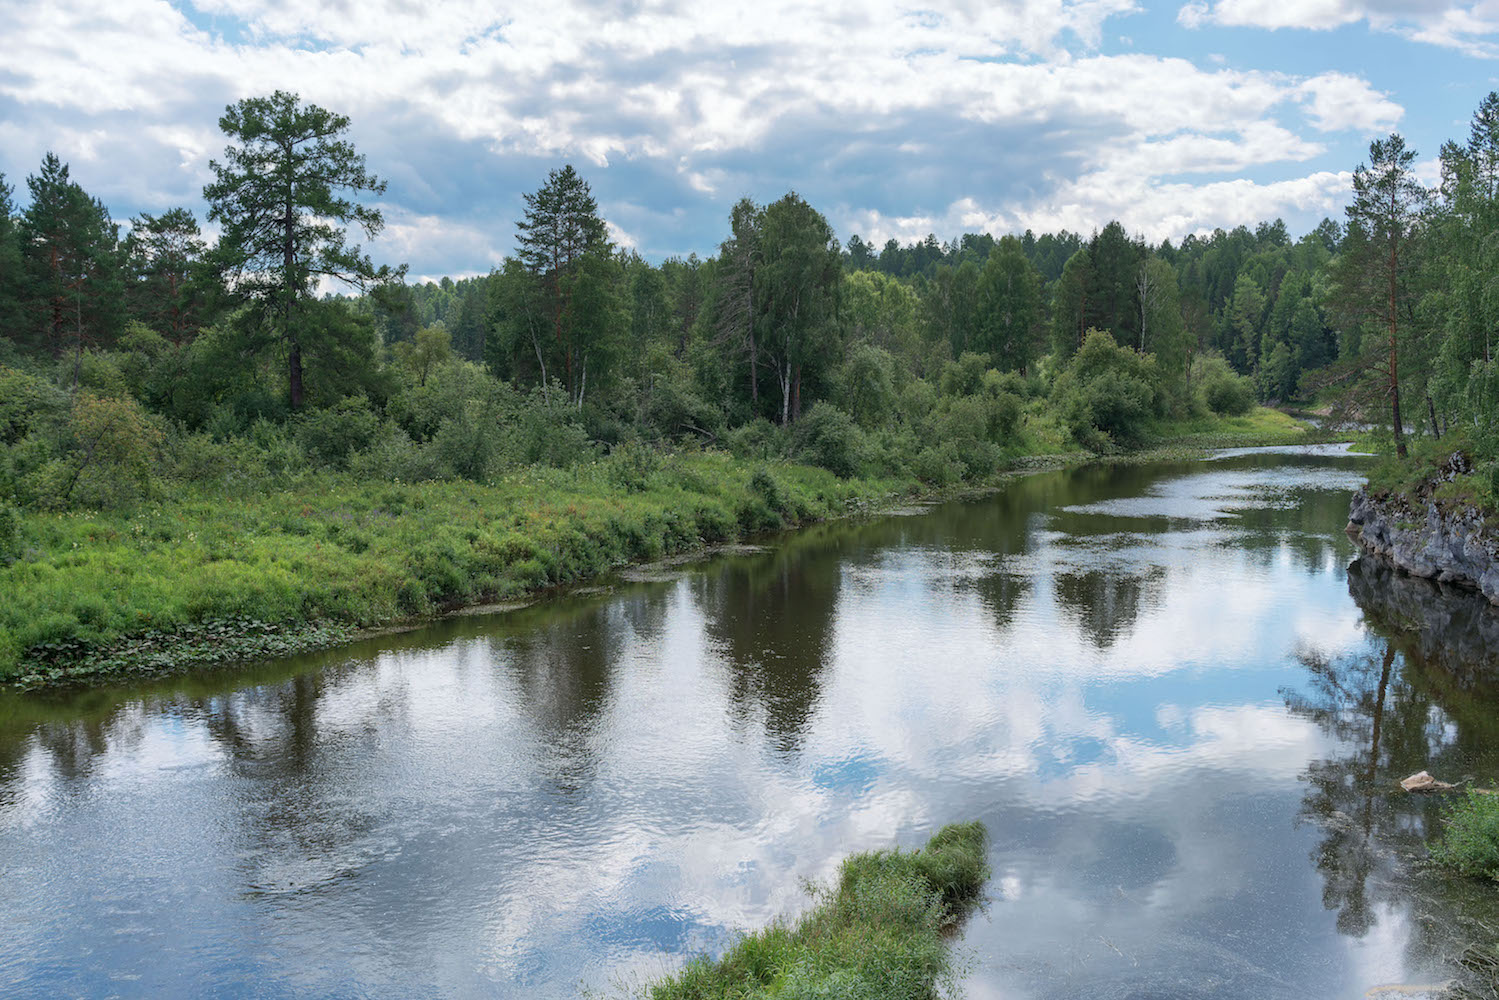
156	353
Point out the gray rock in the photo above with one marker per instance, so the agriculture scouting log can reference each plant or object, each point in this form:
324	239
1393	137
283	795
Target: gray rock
1447	545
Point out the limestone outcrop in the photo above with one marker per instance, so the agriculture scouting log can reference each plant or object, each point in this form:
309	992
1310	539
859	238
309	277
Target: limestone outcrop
1442	542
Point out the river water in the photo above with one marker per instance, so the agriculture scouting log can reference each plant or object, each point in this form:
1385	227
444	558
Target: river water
1179	710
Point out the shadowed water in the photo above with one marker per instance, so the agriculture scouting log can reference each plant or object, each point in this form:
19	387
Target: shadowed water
1154	684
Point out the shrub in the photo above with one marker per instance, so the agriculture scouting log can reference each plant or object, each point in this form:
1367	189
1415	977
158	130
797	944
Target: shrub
964	376
113	443
757	440
632	465
825	436
917	401
1224	392
866	385
548	435
1470	840
332	435
1107	394
10	533
27	403
940	465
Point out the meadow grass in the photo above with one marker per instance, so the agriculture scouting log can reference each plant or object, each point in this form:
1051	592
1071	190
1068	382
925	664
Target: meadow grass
203	577
208	578
880	931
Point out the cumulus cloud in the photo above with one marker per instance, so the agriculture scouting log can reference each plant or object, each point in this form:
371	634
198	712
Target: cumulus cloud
1457	24
894	120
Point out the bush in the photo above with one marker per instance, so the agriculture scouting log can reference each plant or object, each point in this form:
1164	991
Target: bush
825	436
965	376
1224	392
1470	840
109	463
631	467
549	435
1107	394
10	533
940	465
866	385
917	401
27	403
757	440
331	436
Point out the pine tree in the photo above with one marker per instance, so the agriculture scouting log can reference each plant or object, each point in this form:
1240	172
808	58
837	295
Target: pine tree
561	227
283	195
162	254
71	265
1374	273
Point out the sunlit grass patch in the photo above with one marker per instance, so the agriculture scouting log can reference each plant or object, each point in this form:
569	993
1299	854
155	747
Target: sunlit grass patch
1469	844
878	932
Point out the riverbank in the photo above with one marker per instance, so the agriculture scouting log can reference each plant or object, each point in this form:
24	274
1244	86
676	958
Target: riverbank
881	930
1440	526
213	579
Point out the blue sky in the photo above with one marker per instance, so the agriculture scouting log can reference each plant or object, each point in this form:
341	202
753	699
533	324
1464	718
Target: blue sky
895	119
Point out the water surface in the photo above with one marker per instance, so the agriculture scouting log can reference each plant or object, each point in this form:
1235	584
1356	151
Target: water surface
1177	708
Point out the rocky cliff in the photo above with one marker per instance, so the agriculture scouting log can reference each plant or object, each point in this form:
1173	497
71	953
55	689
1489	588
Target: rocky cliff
1443	542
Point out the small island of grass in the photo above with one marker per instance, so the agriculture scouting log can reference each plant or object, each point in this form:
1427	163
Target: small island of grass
881	930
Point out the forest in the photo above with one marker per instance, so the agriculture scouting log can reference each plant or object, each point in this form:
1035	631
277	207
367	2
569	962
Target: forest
269	434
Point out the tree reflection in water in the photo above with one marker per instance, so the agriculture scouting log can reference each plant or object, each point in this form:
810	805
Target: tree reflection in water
1423	695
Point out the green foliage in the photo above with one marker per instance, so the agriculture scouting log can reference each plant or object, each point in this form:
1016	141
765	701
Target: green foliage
27	404
879	932
1223	391
1470	838
1108	394
346	551
331	436
10	533
867	385
828	438
965	376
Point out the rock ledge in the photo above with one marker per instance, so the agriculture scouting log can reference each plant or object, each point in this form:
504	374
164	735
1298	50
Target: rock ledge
1439	542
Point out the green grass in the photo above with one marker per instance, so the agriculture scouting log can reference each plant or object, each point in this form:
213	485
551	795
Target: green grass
1470	838
879	932
1261	426
91	589
202	577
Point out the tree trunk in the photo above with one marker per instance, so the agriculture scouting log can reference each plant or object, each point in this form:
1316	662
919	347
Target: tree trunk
754	370
1394	371
784	376
796	394
288	290
1431	413
294	374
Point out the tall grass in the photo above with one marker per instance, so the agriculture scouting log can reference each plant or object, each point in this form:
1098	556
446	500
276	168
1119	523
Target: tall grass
1470	837
90	587
208	573
879	932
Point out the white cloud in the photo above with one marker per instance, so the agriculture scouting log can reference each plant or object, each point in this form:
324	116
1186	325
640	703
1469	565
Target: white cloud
997	112
1337	102
1458	24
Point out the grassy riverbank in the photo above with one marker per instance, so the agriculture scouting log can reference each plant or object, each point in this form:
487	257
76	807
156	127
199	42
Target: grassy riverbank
208	577
880	931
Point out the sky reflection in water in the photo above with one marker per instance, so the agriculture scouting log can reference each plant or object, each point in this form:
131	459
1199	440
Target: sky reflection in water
1151	683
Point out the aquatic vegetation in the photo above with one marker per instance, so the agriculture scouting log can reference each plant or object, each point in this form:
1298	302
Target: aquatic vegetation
880	931
1470	839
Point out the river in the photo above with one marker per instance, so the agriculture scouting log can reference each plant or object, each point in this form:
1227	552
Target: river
1178	709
